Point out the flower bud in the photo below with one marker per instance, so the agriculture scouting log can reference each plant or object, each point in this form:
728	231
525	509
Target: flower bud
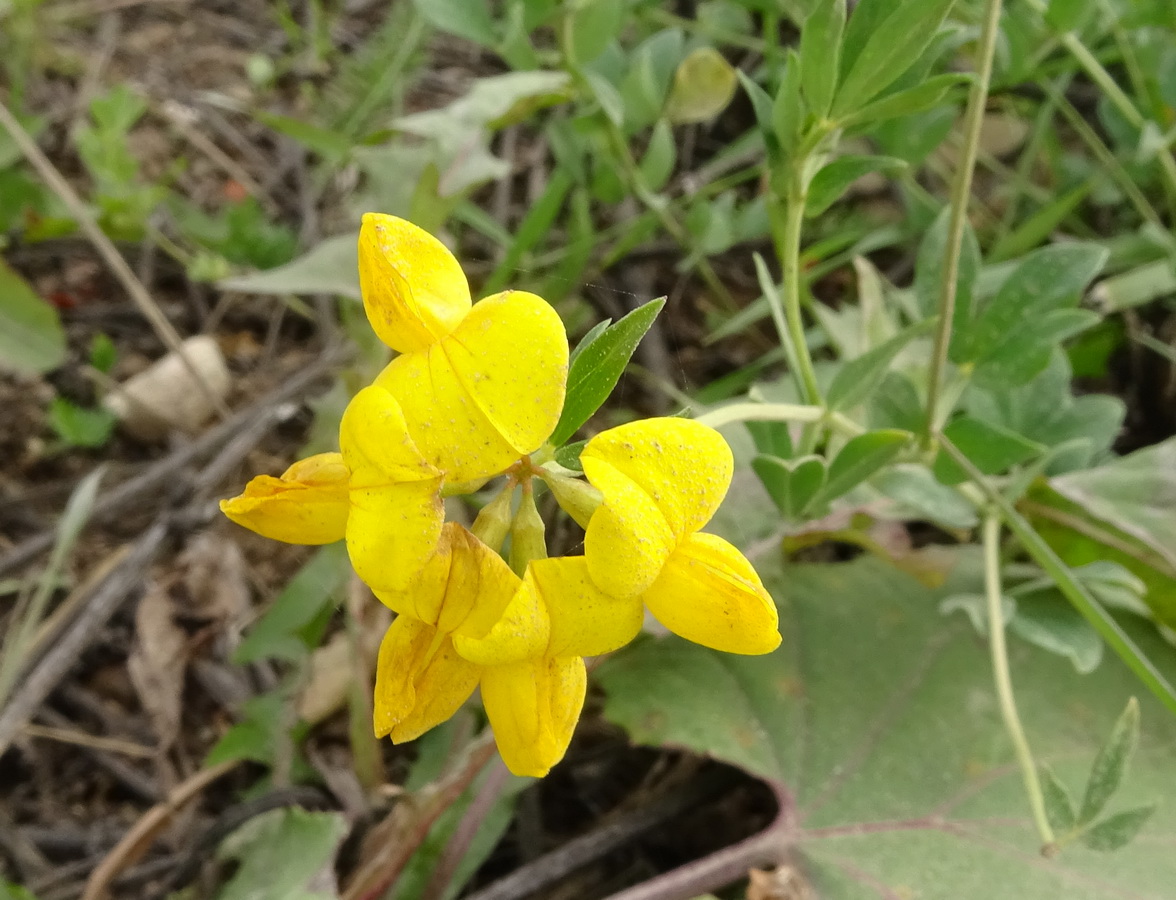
493	522
527	539
577	498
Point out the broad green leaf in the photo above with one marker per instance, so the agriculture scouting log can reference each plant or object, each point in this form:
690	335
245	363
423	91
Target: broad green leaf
589	338
1045	281
820	54
771	438
835	178
492	102
1081	538
330	145
1059	806
1110	766
281	632
591	26
1134	493
31	337
606	94
895	403
1050	622
657	165
880	719
761	103
1039	226
791	483
568	455
599	366
858	378
929	277
1117	831
920	496
281	853
862	457
1069	15
331	267
891	48
975	607
917	99
704	84
1026	352
647	81
1136	286
79	426
991	448
469	19
788	105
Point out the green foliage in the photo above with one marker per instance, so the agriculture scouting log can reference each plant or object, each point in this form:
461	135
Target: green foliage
78	426
31	336
281	854
866	727
598	365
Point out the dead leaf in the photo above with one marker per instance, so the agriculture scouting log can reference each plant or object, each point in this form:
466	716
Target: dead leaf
158	662
782	883
216	580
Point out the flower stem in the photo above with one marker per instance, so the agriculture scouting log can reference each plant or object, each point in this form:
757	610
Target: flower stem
961	191
788	249
1004	682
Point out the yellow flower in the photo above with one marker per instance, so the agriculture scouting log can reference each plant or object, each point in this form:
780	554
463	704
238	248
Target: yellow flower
481	385
534	680
379	493
661	481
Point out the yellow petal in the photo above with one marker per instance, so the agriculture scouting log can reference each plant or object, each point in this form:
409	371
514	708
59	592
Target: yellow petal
307	505
585	621
420	680
709	593
533	708
661	479
490	392
413	289
522	633
464	588
396	511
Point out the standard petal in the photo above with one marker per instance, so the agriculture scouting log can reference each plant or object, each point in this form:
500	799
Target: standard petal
685	467
413	288
464	588
709	593
585	621
490	392
420	680
308	504
533	708
396	511
522	633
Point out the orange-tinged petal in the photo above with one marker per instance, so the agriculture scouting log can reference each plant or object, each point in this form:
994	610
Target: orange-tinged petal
464	588
522	633
420	680
709	593
413	288
661	479
396	511
533	708
308	504
585	621
488	393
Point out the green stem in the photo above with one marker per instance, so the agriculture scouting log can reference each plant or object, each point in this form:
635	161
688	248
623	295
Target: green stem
780	412
1004	681
960	193
788	249
1043	554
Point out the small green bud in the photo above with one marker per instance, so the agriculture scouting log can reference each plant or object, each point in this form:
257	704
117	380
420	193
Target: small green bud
577	498
527	538
493	522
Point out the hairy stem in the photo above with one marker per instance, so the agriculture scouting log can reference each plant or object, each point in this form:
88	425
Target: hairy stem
960	192
1004	682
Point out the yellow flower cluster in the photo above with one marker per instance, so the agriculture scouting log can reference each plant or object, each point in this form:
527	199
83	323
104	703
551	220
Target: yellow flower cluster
475	392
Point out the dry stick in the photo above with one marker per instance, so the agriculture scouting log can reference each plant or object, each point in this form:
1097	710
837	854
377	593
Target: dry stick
109	253
127	775
544	871
53	666
378	873
167	470
136	841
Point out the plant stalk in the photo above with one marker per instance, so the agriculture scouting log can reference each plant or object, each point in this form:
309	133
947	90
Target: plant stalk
1004	682
961	191
788	249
